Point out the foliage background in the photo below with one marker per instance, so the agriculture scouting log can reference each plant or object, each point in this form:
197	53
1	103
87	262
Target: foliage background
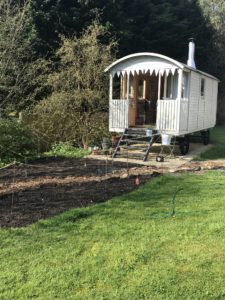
37	66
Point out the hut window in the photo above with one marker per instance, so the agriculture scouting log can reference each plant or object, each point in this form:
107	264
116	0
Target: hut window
131	87
185	85
116	87
202	87
172	86
140	89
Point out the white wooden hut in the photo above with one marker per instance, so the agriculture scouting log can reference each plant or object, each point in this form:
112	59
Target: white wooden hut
149	90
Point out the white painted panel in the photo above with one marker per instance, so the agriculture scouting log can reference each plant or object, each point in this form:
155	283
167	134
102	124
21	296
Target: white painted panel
193	102
202	111
168	115
183	115
209	120
210	103
118	115
214	102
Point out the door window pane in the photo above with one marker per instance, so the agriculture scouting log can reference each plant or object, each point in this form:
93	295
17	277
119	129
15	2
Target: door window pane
185	85
116	87
131	87
140	89
172	86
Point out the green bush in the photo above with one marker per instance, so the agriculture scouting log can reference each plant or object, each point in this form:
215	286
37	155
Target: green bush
54	122
16	142
67	150
76	110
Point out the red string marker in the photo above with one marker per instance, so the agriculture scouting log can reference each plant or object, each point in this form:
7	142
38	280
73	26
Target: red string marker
137	181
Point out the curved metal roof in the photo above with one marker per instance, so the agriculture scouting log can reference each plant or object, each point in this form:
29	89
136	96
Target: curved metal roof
144	54
156	55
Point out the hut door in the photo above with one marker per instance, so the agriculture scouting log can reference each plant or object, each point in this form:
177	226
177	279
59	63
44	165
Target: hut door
132	100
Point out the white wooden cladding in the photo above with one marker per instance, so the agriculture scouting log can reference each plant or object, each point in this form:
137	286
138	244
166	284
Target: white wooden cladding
194	100
118	115
167	111
202	110
172	116
183	118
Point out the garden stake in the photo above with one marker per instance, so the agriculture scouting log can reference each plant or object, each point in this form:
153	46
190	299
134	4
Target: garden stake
137	181
127	161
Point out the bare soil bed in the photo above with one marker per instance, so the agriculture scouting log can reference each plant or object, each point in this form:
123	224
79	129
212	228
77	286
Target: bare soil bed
50	186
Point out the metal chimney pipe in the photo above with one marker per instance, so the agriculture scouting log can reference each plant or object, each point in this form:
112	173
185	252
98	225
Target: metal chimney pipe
191	54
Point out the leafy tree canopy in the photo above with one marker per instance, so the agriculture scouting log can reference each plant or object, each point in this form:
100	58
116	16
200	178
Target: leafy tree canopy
162	26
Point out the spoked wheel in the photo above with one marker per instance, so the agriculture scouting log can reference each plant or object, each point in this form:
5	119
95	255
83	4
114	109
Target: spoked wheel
184	145
205	137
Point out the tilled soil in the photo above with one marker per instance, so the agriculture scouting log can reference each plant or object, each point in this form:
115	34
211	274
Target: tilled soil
50	186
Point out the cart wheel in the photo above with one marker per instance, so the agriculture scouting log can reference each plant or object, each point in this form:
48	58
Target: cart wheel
159	158
184	145
205	137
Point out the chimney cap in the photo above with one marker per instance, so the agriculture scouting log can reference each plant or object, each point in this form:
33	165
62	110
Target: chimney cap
191	39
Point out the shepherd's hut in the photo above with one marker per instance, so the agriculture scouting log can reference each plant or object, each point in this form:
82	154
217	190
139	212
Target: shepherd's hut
153	94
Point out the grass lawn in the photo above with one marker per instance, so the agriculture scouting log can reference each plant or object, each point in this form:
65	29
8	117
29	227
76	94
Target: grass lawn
217	137
125	248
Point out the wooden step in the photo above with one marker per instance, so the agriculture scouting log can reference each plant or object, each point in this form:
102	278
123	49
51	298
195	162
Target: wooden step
135	141
135	135
133	147
130	155
137	132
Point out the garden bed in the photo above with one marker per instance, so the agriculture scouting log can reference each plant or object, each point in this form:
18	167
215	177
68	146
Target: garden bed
51	186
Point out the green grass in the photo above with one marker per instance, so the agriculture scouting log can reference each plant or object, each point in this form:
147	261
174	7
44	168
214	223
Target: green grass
125	248
217	138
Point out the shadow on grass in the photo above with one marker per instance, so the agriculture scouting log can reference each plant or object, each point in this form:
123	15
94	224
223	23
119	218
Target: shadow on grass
218	149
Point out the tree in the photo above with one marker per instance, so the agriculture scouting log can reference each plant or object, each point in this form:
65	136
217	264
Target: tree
74	111
214	12
12	28
138	25
22	72
52	18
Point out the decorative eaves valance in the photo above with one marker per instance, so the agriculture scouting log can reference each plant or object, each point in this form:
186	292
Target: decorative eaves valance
150	71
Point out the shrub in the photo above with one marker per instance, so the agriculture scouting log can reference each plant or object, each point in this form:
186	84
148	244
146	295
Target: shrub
16	142
76	110
56	124
67	150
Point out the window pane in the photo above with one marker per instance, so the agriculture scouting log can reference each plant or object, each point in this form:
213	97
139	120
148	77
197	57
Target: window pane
202	87
131	87
185	85
140	88
116	87
172	86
